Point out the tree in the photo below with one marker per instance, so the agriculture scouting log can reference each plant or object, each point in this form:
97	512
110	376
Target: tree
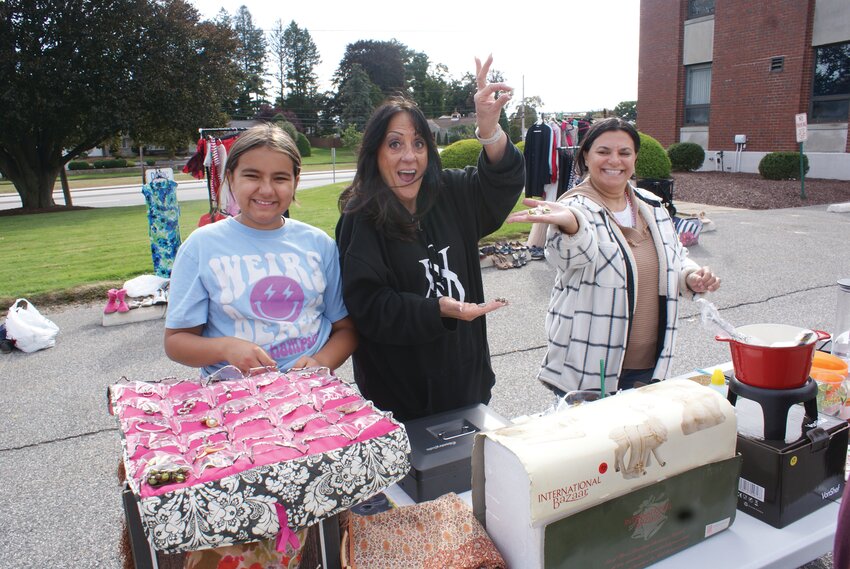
71	79
382	61
351	137
416	75
301	56
626	110
277	53
251	56
358	97
436	87
528	108
460	94
174	100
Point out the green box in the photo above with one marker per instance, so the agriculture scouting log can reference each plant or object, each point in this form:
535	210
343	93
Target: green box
646	525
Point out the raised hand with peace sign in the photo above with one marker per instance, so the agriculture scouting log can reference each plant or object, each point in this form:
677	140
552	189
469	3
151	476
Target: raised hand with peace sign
488	108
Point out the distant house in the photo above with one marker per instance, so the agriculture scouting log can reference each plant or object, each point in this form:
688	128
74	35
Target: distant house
732	77
441	126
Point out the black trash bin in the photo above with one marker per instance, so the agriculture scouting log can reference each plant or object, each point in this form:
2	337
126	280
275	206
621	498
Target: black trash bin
661	187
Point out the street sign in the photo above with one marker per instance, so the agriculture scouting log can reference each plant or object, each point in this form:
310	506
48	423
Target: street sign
802	136
802	127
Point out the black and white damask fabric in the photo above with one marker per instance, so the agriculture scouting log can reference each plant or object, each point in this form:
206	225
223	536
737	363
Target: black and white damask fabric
240	508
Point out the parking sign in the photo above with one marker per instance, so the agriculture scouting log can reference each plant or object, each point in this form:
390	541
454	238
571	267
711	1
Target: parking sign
802	127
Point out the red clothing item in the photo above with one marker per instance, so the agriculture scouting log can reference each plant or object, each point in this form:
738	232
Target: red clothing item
195	165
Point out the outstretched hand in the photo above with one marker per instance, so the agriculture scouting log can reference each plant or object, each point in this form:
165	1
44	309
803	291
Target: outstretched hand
452	308
553	213
488	108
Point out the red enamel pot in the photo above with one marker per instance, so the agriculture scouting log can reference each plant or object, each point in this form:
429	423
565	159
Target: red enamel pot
773	367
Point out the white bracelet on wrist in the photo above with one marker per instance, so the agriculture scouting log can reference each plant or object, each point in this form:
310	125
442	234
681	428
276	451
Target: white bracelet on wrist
493	139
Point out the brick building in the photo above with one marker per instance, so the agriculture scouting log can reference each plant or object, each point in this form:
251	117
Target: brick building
711	70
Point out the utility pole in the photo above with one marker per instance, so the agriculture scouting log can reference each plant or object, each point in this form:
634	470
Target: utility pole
522	114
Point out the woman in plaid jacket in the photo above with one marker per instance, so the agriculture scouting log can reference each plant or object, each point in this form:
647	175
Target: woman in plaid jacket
620	271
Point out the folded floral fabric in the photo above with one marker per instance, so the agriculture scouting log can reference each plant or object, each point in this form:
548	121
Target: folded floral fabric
432	535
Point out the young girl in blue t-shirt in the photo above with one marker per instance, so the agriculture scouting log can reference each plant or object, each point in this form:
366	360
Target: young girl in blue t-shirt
258	290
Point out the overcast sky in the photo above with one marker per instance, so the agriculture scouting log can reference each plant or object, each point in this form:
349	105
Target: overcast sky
576	55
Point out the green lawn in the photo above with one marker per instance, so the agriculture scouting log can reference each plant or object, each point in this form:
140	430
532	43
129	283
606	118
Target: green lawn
55	257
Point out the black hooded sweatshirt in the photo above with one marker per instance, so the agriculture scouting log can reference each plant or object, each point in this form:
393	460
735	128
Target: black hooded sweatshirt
410	360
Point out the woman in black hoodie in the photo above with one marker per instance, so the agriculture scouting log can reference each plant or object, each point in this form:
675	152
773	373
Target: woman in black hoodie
408	239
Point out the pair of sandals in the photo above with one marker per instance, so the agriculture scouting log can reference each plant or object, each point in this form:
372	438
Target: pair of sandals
511	255
512	261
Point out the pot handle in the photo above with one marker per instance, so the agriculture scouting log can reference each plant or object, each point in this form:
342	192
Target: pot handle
723	339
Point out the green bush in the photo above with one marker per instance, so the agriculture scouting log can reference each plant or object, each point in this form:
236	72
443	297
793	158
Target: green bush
111	163
652	160
782	166
303	145
79	165
150	162
461	153
686	156
130	164
351	137
521	145
289	129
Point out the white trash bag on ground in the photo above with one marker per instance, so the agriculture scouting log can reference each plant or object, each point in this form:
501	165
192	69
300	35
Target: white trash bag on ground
28	328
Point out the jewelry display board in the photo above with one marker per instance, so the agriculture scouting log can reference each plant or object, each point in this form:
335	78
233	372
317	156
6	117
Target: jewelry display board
228	460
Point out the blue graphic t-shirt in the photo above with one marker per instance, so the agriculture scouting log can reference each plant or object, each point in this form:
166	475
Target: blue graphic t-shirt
279	289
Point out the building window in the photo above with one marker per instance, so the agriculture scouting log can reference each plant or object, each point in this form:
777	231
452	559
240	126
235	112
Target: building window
700	8
697	94
777	64
831	86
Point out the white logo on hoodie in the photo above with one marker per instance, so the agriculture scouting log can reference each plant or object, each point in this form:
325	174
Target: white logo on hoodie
446	278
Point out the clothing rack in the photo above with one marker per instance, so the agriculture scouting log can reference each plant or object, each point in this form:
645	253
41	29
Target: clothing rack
203	133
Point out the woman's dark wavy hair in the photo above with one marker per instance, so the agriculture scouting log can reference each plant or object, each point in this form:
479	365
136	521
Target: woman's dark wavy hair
598	128
369	192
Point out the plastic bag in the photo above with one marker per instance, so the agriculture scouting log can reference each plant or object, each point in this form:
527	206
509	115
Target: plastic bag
28	328
714	323
144	285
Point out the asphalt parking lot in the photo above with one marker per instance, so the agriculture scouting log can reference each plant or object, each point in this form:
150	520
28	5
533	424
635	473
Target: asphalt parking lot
59	495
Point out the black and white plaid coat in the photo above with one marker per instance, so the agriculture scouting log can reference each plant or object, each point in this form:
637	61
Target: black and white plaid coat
595	290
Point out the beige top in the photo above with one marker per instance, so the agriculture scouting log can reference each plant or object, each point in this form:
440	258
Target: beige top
643	338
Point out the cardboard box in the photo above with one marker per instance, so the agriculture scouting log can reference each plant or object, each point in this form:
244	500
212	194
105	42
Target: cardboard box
441	450
783	481
530	476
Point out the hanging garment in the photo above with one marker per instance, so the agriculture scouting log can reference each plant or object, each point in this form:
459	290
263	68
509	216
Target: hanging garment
554	143
583	125
567	175
163	221
569	134
195	165
537	154
215	161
